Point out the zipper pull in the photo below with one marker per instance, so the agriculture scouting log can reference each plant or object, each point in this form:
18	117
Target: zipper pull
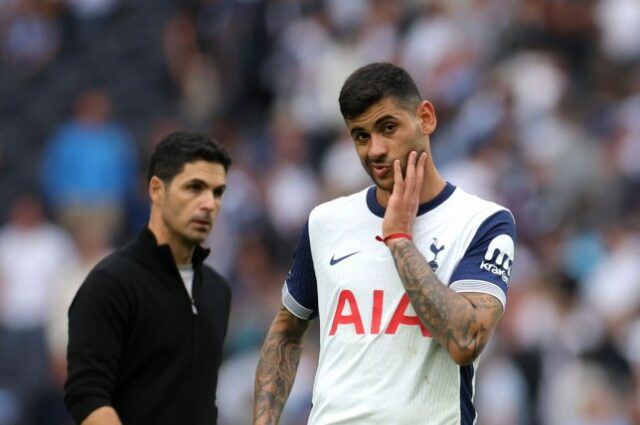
193	307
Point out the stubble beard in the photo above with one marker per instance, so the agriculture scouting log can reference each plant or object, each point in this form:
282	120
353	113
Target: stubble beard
195	237
185	236
386	184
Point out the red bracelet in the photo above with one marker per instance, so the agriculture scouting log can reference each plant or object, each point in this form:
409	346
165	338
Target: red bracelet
394	236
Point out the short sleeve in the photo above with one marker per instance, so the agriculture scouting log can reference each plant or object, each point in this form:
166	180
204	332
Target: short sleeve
300	291
486	264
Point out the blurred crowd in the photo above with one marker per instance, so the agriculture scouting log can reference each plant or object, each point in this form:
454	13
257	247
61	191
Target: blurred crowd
538	105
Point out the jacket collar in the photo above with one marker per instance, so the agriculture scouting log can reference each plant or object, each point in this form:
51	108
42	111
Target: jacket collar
147	244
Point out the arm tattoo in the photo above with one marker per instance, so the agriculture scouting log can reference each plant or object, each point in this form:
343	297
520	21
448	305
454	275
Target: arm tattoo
461	323
277	366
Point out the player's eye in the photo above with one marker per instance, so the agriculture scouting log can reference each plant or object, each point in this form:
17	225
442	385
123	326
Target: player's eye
218	192
194	187
389	127
361	137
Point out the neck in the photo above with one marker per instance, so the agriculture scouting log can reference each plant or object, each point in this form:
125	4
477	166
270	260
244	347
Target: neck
433	183
182	252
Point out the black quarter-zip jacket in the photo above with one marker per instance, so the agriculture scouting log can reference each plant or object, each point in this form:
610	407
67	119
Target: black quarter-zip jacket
135	343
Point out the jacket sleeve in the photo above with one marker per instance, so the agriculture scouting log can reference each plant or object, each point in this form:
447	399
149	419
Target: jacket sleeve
99	319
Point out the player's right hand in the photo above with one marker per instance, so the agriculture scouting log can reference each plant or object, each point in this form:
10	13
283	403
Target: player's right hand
405	195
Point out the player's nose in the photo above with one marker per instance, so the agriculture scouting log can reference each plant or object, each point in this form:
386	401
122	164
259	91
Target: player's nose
208	201
377	148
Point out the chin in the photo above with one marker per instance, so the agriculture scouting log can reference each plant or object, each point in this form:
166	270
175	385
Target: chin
386	185
200	238
196	238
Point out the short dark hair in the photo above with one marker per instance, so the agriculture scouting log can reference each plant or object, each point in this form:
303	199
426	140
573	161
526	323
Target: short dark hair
374	82
181	147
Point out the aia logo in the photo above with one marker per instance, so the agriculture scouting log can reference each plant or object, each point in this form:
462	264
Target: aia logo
499	257
348	314
436	250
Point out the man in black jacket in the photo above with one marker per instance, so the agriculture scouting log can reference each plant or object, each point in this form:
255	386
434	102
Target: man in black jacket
147	326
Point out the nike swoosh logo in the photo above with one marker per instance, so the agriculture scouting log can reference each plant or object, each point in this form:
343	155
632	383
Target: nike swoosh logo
335	261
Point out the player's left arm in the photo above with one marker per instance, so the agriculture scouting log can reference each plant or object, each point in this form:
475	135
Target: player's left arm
460	322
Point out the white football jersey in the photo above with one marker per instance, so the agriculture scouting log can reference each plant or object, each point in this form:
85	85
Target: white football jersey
378	364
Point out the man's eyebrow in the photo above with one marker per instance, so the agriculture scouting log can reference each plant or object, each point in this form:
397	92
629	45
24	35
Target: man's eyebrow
379	121
356	130
383	119
196	180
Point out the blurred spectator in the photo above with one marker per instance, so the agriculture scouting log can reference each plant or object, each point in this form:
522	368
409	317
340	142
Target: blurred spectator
242	213
30	34
291	188
89	165
308	68
90	9
32	252
239	62
89	18
585	393
502	394
339	175
626	138
477	174
378	31
194	74
92	245
536	81
445	68
619	264
618	22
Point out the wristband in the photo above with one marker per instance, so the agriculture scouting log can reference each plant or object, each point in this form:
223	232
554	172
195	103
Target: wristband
394	236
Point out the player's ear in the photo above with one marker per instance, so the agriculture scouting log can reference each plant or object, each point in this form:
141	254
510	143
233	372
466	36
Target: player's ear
156	190
427	117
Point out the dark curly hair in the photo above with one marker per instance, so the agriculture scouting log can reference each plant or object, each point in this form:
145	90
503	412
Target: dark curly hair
374	82
181	147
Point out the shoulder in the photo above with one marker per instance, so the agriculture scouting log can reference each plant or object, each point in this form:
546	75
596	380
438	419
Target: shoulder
122	270
118	264
339	208
486	226
477	209
108	274
106	285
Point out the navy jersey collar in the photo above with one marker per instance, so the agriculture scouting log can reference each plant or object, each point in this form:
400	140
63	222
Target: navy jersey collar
377	209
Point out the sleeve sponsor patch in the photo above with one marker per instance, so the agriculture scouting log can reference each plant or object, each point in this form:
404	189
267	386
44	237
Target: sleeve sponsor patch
498	258
490	254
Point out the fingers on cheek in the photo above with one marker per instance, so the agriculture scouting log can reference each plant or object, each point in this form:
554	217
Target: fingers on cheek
399	180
